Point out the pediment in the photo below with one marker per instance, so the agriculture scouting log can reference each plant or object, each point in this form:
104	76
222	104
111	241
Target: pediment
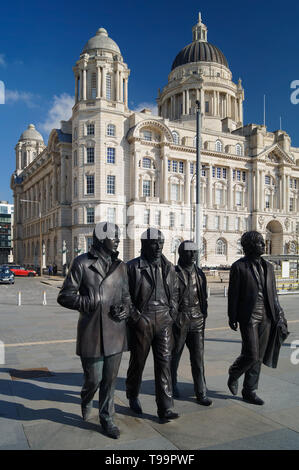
276	154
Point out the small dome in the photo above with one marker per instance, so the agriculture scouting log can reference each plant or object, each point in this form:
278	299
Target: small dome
31	134
199	51
101	41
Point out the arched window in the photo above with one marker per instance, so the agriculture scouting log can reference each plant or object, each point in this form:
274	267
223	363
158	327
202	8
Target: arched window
218	146
220	247
111	130
238	149
176	137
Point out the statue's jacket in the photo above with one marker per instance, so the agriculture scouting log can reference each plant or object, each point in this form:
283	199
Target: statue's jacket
242	297
91	291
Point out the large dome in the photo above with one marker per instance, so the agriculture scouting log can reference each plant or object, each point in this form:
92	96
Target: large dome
101	41
31	134
199	51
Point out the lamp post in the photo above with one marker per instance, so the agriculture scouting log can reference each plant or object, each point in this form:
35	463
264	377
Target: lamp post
198	139
40	233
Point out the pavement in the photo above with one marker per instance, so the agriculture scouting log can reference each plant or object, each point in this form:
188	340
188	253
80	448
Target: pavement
41	379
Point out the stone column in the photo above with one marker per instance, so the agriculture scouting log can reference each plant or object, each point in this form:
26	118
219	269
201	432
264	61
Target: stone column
126	92
171	108
187	183
184	102
262	189
76	89
287	193
98	94
62	180
165	178
103	85
116	84
257	189
230	189
210	199
84	84
187	102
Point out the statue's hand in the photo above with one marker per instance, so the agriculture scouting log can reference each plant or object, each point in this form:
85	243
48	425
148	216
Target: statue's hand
118	313
233	325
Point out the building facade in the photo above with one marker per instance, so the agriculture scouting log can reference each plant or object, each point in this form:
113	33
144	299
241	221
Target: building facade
6	223
138	169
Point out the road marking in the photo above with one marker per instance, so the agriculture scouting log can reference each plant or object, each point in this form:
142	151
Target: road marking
37	343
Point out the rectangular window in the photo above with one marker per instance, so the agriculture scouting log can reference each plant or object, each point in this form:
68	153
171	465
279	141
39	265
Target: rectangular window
218	196
238	198
291	204
175	192
203	170
204	221
238	175
237	223
182	220
224	173
191	168
110	155
93	87
234	174
146	216
90	215
171	219
267	201
225	223
169	165
89	184
108	87
90	155
111	214
157	217
174	166
75	217
146	162
146	185
110	184
218	173
207	107
90	129
181	167
217	222
213	171
75	158
75	187
244	176
267	179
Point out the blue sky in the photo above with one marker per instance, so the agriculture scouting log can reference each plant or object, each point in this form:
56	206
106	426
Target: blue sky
41	41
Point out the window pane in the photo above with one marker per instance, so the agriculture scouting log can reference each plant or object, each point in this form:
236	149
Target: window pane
90	129
146	188
108	87
110	155
146	162
111	214
90	215
90	184
146	220
175	192
90	154
111	130
110	184
158	217
147	135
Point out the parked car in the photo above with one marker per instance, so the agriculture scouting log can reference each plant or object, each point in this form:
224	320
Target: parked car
20	270
6	276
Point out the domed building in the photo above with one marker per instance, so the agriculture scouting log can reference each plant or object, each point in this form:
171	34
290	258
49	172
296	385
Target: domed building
138	169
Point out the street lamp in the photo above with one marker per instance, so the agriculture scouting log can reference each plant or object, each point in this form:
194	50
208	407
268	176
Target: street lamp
198	139
40	233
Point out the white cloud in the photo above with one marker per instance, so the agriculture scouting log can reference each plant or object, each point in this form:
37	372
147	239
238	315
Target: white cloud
61	110
153	107
2	60
15	96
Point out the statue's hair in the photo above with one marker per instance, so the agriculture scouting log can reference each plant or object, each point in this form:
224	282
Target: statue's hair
249	239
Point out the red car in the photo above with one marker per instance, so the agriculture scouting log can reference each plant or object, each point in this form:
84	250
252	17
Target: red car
20	271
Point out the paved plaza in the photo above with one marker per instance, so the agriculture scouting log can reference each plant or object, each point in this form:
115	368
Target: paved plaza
41	379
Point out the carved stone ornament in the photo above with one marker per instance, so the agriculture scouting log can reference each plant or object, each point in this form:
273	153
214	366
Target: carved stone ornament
287	223
261	220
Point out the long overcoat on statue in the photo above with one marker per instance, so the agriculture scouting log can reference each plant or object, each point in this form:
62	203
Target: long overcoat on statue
88	289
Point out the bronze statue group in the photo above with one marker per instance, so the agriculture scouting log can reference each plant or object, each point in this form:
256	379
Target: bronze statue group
150	303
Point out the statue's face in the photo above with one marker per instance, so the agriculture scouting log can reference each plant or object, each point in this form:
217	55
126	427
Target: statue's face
111	244
153	249
259	247
189	257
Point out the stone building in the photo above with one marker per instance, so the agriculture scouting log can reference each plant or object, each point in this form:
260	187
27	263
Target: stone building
138	169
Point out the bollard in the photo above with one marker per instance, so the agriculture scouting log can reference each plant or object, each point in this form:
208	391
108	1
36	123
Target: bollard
225	291
44	298
19	299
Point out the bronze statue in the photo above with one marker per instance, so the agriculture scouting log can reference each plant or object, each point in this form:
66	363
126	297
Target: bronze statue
97	286
190	323
254	304
153	286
